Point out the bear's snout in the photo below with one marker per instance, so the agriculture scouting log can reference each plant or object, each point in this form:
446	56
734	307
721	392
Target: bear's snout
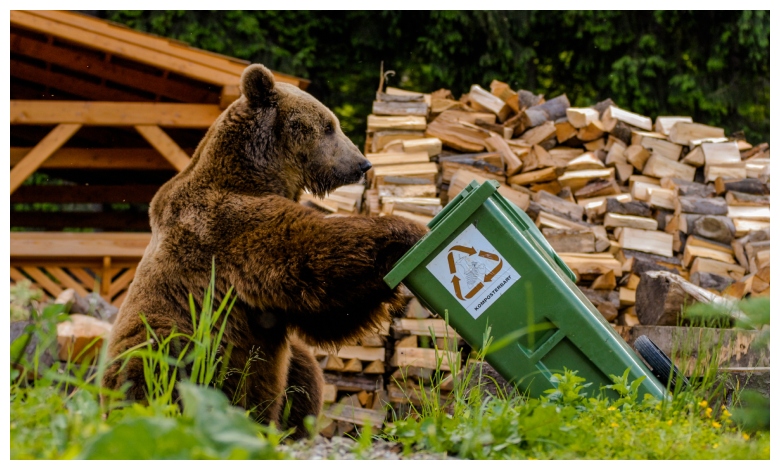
365	165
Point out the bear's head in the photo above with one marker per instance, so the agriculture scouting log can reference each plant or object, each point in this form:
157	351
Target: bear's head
283	140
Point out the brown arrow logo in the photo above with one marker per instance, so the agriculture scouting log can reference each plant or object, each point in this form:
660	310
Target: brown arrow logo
472	293
488	277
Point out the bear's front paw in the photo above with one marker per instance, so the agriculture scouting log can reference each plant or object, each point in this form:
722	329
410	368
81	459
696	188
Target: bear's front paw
401	236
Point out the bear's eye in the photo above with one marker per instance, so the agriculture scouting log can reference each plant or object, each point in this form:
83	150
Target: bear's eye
328	128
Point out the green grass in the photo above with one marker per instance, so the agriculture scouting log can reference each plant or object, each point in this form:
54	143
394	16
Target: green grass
568	422
60	412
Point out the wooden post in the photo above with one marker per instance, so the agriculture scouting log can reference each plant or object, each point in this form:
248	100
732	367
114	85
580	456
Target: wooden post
45	148
105	280
165	145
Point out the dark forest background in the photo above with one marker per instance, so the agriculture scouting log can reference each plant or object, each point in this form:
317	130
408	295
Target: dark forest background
711	65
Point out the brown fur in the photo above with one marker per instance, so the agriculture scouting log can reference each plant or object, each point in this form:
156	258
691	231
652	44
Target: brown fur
296	272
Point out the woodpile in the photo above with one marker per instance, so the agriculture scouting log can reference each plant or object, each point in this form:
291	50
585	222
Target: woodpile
651	215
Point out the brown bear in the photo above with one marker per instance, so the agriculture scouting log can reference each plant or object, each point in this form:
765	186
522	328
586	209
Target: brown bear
299	275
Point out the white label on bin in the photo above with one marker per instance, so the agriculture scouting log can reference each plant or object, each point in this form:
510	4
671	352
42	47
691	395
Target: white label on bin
473	271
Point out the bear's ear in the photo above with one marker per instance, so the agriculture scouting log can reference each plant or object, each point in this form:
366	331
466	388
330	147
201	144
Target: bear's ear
257	84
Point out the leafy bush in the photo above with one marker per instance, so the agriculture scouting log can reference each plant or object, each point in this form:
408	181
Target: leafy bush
712	65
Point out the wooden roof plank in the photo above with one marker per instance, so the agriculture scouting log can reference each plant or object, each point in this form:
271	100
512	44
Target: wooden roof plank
75	60
147	40
69	84
165	145
45	148
103	113
175	49
122	48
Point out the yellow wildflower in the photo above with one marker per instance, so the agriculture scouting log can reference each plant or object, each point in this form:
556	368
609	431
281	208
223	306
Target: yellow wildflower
715	446
745	436
669	422
716	425
703	403
611	408
614	425
726	413
708	412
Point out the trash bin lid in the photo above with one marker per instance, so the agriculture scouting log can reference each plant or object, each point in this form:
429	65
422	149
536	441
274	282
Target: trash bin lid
444	227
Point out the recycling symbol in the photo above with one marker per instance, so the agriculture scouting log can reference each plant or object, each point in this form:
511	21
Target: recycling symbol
476	275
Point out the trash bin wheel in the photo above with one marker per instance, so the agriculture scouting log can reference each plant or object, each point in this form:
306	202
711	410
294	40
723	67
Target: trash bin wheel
661	364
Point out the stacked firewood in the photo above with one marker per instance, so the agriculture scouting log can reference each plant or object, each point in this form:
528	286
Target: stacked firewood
614	193
649	215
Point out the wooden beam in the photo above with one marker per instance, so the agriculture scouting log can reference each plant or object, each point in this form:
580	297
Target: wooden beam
78	245
70	84
86	63
121	48
102	220
141	193
167	46
165	145
98	159
45	148
107	113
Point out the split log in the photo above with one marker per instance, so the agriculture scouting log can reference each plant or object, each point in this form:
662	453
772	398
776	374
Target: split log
733	271
749	213
591	266
687	188
700	205
489	102
606	281
538	176
661	167
592	131
647	241
393	108
733	171
586	161
512	162
612	220
718	228
581	117
597	187
657	144
410	123
735	198
548	111
559	205
692	252
431	146
613	114
664	124
694	158
539	133
684	132
637	156
636	208
711	281
725	153
661	198
570	240
576	180
457	136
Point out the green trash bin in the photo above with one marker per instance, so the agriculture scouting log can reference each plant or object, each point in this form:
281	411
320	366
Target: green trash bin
485	263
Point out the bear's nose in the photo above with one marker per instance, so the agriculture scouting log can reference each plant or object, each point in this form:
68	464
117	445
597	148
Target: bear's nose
365	165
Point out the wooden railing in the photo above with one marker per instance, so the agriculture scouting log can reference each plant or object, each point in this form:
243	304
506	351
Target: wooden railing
86	262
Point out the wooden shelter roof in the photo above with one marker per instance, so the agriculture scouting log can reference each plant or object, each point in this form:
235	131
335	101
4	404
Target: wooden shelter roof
88	58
